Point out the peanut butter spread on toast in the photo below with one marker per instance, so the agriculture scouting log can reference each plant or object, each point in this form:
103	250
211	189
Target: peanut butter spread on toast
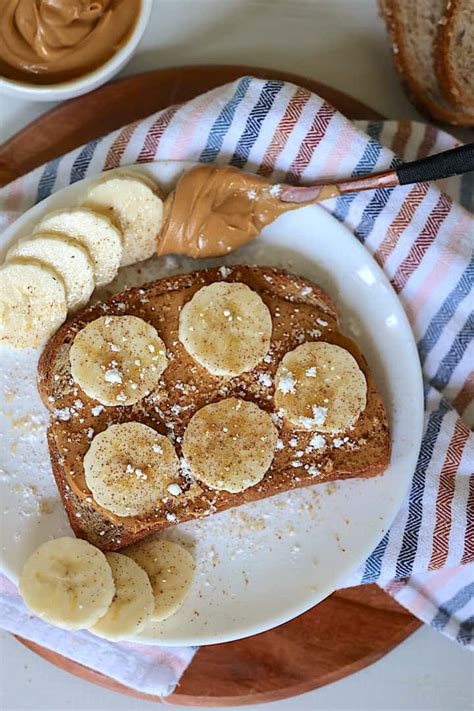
300	313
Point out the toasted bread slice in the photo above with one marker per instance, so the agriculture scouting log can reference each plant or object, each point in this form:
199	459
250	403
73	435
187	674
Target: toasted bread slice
413	27
454	52
301	312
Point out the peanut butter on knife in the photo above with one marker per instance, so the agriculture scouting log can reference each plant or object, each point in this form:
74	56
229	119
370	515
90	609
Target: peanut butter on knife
215	210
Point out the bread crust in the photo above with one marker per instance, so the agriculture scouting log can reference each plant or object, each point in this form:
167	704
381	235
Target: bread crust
69	439
453	114
445	73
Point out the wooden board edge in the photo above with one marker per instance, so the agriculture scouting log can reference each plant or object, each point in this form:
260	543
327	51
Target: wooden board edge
57	131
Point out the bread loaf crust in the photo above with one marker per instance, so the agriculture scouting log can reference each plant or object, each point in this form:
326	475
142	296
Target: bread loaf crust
448	79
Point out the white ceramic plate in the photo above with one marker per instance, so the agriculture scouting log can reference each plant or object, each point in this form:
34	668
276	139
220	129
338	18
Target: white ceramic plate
261	564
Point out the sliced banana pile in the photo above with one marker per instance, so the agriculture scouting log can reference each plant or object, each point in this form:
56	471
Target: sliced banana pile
171	571
229	445
129	467
117	360
73	585
319	386
77	249
226	327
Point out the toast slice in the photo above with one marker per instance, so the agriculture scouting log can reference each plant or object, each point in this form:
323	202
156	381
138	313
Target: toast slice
413	29
301	312
454	52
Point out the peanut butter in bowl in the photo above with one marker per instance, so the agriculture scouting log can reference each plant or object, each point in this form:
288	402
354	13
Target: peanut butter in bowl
48	47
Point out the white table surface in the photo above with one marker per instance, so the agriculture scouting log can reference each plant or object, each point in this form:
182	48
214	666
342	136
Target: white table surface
341	43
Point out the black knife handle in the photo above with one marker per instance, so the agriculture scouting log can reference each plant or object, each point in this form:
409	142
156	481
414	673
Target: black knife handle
442	165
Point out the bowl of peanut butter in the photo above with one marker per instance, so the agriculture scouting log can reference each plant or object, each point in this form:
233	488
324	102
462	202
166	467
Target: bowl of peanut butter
57	49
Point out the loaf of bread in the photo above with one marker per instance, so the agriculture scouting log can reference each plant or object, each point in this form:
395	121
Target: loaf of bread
433	51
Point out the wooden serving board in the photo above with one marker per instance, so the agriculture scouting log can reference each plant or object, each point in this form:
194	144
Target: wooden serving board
112	106
343	634
352	628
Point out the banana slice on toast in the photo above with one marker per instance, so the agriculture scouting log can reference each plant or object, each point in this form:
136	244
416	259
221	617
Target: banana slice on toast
319	386
230	444
68	582
117	360
170	569
133	601
69	259
129	467
93	231
134	208
226	327
32	303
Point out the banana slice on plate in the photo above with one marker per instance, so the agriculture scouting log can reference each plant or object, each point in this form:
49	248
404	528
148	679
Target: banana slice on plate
226	328
134	208
319	386
170	569
129	467
94	232
32	304
229	445
67	582
133	601
69	259
133	174
117	360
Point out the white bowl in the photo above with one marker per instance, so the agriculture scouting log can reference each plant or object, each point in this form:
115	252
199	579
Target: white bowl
88	82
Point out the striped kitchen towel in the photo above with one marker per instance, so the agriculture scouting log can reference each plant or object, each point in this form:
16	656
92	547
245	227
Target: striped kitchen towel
422	239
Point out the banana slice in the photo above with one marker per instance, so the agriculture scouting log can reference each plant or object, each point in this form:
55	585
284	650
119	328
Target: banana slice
134	208
67	582
170	569
117	360
226	327
133	174
129	467
133	601
69	259
229	445
319	386
32	304
94	232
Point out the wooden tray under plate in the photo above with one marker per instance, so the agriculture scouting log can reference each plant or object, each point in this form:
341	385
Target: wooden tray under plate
343	634
112	106
352	628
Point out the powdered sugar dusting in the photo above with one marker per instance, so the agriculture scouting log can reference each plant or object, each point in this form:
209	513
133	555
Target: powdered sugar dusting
287	382
265	379
317	441
318	418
